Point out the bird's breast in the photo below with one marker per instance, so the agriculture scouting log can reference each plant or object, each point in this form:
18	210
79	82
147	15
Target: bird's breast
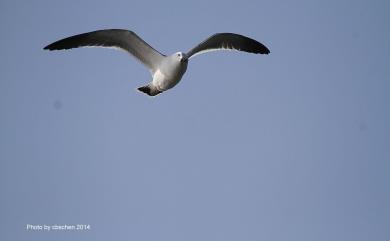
166	78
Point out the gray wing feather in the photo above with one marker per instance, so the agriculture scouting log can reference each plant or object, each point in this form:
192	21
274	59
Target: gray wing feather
117	38
229	41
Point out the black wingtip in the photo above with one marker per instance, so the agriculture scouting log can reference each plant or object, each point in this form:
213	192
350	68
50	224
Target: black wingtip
49	47
262	49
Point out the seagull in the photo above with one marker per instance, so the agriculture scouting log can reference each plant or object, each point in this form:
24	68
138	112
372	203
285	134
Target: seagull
166	71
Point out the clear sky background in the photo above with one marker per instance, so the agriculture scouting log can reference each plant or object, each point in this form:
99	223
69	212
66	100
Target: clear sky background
289	146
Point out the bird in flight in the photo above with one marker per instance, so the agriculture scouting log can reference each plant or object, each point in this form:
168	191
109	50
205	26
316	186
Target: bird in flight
166	71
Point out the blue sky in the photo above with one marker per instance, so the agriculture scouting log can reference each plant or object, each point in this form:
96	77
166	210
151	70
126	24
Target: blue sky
289	146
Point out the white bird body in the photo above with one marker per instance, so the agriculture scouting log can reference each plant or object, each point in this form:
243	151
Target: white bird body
167	71
170	72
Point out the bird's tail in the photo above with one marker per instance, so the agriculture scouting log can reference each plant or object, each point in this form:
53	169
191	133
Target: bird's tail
149	89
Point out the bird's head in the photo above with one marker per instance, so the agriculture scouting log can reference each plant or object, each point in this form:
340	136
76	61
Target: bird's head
181	57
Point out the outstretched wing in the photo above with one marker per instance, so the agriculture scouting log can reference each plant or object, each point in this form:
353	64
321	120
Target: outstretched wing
113	38
229	41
